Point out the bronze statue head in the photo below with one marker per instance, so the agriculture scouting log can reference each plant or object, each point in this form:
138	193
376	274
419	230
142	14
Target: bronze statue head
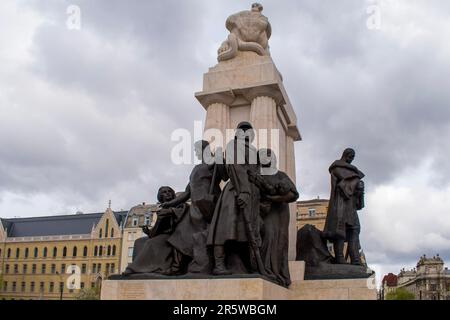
165	194
200	147
245	130
348	155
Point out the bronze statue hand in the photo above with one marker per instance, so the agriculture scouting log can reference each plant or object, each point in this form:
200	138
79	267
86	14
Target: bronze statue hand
146	230
243	200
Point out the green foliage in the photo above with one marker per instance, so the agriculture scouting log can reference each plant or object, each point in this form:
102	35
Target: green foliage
89	294
400	294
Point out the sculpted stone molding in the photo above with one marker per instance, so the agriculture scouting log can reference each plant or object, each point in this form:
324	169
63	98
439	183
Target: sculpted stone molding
225	97
270	91
249	31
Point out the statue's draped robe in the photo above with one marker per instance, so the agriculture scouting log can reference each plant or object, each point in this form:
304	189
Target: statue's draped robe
228	224
275	233
189	237
156	253
342	209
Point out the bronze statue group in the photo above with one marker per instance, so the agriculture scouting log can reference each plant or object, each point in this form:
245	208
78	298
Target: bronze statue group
242	228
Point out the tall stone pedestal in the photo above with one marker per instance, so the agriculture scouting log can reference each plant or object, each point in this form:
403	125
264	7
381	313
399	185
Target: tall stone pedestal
250	88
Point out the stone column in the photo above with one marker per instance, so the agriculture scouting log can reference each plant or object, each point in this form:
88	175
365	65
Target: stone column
218	117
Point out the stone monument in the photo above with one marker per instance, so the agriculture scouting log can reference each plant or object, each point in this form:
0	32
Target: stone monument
232	233
246	86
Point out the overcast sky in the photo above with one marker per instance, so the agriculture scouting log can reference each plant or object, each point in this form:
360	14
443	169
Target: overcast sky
86	115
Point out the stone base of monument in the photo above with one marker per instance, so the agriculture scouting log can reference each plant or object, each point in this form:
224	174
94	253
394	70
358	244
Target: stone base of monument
342	289
242	288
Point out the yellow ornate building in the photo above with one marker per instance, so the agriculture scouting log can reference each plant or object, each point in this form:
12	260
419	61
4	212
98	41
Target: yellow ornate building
54	257
312	212
138	216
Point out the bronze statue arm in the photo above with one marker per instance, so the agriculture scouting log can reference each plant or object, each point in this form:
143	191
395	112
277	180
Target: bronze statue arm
181	198
287	198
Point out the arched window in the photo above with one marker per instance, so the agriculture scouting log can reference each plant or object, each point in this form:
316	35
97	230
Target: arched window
55	252
100	251
108	253
45	252
74	252
9	253
36	252
64	251
85	251
26	252
106	228
112	232
17	253
95	251
114	250
100	233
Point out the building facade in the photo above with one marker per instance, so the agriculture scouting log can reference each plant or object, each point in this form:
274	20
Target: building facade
312	212
55	257
430	280
138	216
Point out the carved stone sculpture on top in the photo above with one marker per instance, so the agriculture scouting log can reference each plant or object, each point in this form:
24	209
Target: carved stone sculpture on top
249	30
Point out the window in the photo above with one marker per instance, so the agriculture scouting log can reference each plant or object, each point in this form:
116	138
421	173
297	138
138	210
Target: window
74	252
135	221
108	252
95	251
16	268
433	287
61	286
65	252
83	268
81	285
25	267
51	287
55	252
130	252
63	268
99	267
94	268
9	253
43	268
147	220
73	267
33	269
53	268
107	268
22	286
41	287
17	253
7	268
36	252
92	285
100	251
5	286
106	228
114	250
113	268
312	212
14	286
100	233
32	286
85	251
26	252
45	252
112	232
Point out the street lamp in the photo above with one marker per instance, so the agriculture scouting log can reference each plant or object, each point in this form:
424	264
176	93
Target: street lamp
61	285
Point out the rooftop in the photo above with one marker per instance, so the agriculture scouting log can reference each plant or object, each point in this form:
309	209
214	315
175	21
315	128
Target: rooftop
55	225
